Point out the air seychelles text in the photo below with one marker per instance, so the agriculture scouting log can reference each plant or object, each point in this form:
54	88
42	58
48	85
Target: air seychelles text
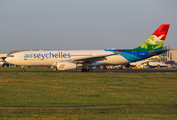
42	56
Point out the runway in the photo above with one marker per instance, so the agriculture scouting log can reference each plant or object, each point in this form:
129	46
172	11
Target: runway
134	70
111	70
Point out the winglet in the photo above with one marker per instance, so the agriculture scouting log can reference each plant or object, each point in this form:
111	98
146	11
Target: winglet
118	51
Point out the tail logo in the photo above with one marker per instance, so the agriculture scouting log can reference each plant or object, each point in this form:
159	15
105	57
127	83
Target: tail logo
153	40
156	40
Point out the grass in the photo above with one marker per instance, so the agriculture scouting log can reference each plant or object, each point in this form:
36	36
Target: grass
140	95
122	112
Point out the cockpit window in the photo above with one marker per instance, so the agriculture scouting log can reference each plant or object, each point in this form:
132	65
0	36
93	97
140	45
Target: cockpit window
11	56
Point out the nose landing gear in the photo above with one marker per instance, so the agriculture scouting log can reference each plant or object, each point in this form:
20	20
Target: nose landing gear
23	69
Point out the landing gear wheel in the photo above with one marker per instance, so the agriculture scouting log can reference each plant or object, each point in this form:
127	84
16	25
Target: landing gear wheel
84	70
90	70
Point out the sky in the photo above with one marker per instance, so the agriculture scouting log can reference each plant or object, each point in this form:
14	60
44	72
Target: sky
83	24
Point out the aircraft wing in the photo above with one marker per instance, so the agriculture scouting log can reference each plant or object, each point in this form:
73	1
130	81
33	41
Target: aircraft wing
90	59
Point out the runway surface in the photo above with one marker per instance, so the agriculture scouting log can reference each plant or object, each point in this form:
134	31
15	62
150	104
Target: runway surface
113	70
134	70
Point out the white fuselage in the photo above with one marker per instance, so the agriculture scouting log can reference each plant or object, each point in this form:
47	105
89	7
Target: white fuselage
50	58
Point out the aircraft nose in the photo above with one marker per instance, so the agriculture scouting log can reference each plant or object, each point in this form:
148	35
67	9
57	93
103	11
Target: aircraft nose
8	59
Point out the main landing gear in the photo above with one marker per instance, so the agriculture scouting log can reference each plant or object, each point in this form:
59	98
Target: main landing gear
86	70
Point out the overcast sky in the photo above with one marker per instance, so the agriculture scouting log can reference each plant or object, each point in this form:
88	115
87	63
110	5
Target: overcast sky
83	24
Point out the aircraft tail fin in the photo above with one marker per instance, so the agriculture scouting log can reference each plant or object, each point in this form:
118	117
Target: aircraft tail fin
156	40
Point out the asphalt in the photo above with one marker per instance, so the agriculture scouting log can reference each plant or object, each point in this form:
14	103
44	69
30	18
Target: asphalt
113	70
134	70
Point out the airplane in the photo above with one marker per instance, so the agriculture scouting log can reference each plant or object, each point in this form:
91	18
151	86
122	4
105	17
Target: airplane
71	59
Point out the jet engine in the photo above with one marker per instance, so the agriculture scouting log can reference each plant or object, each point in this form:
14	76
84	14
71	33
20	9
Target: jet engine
66	66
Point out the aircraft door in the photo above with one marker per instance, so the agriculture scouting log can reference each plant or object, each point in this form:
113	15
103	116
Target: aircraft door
133	53
21	57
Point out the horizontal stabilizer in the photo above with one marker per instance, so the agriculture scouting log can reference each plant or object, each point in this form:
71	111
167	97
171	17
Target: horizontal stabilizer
157	52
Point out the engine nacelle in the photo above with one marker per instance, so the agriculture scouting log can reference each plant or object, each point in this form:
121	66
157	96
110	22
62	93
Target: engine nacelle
66	66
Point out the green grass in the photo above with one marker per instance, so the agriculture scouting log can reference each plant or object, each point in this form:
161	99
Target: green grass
122	112
147	92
